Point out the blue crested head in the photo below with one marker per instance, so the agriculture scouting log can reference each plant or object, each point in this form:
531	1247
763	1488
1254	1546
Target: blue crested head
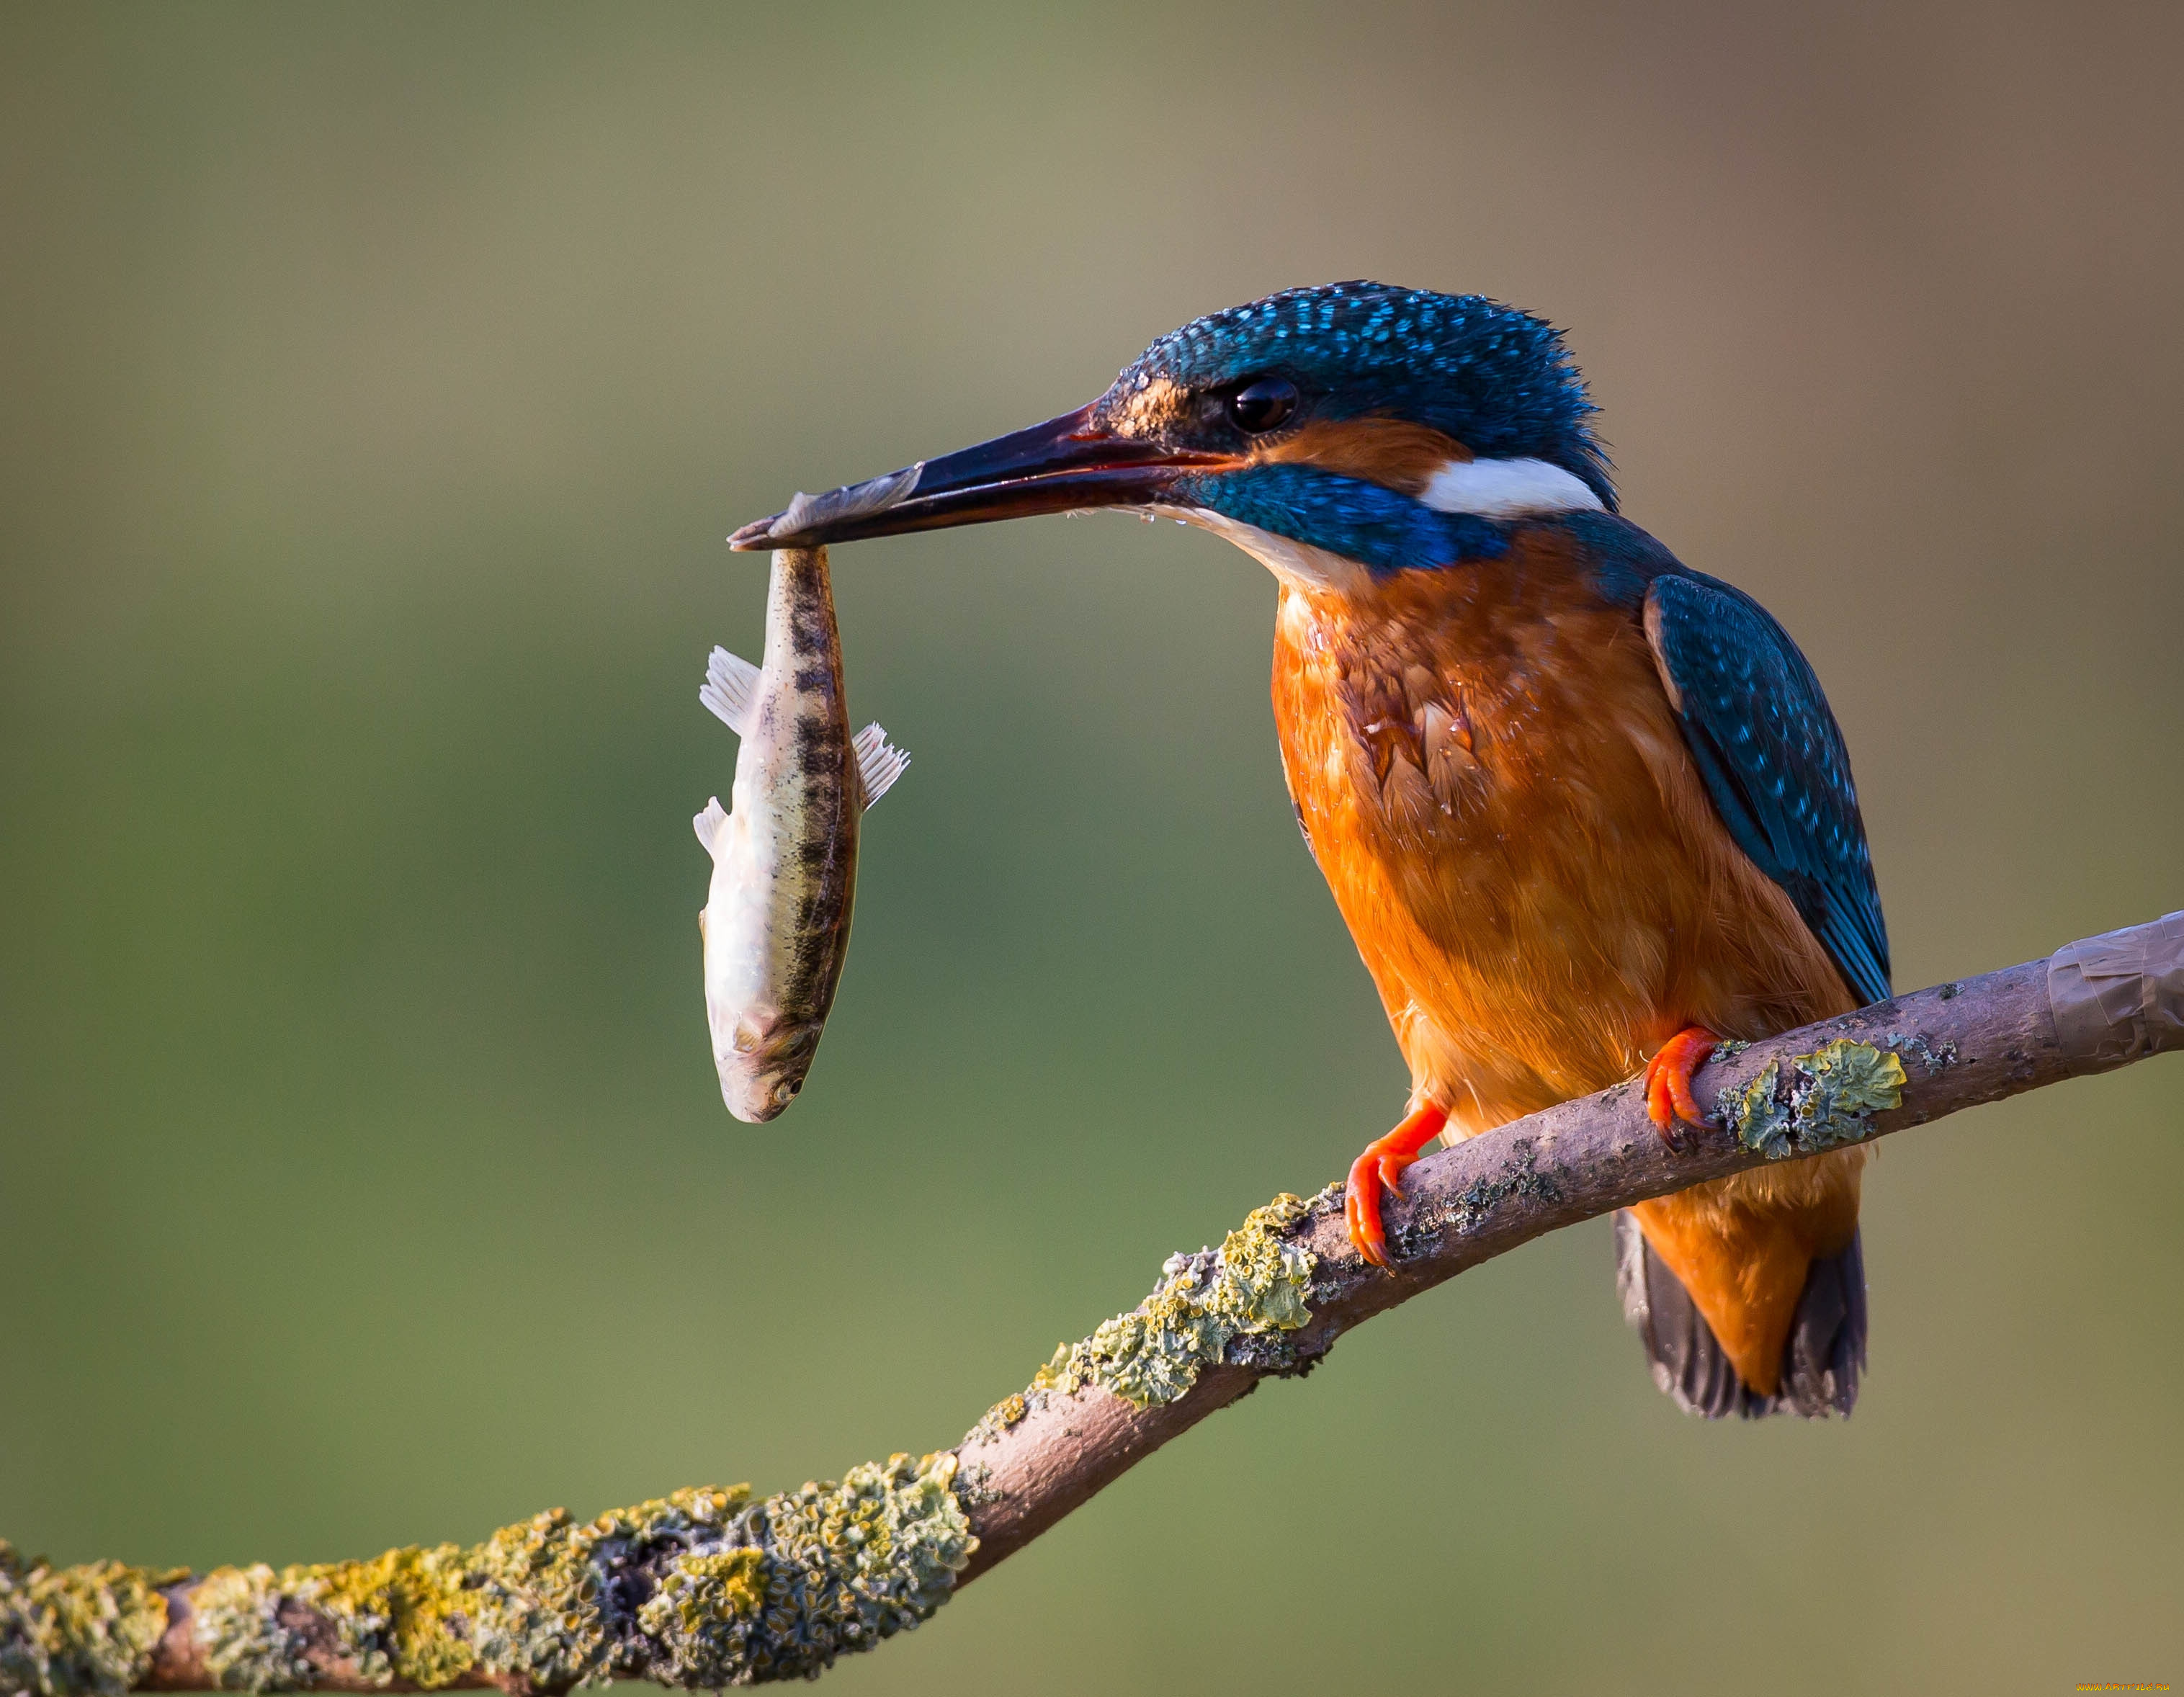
1393	428
1496	379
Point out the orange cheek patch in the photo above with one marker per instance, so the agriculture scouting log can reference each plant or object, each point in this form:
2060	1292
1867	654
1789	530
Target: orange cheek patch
1391	451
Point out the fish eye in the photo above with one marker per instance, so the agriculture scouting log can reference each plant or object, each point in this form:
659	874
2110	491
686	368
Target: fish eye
1261	404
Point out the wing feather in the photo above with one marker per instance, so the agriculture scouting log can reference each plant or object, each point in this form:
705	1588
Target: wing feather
1774	760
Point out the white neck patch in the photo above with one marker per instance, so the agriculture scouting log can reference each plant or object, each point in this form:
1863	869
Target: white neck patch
1298	564
1507	488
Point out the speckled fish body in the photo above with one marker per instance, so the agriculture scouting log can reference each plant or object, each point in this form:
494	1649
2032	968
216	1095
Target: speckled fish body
776	923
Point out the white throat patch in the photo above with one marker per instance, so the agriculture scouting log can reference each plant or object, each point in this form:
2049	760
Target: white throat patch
1506	488
1298	564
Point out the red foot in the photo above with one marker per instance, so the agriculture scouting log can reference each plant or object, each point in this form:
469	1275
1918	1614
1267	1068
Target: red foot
1378	1170
1668	1096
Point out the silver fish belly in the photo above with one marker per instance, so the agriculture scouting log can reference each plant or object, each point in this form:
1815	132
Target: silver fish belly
776	923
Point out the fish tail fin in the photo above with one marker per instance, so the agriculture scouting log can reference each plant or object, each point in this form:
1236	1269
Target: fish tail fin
731	686
879	762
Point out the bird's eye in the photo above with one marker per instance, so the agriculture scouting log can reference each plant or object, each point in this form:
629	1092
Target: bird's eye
1261	403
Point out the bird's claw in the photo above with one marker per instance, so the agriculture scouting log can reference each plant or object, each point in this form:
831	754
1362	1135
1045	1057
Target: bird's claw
1371	1174
1378	1173
1668	1098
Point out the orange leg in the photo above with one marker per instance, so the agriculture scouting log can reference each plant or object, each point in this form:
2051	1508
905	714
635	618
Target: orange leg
1668	1096
1378	1170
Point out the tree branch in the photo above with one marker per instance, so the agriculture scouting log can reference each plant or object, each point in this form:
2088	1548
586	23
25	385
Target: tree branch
707	1588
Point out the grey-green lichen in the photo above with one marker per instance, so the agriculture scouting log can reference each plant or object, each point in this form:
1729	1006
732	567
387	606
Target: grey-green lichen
702	1589
66	1631
235	1622
1253	1287
1935	1057
1818	1101
1519	1176
848	1565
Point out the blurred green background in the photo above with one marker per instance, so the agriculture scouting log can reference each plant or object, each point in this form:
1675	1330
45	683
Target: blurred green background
377	386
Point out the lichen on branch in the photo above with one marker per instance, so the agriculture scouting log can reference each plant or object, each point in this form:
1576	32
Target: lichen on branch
1250	1290
87	1629
1814	1102
702	1589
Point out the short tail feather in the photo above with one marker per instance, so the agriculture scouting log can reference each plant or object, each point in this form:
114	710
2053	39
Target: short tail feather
1822	1360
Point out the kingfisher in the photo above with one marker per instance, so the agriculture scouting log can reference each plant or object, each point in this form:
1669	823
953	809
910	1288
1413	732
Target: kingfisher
1585	810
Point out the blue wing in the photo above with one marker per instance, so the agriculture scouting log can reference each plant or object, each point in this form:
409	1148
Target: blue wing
1774	760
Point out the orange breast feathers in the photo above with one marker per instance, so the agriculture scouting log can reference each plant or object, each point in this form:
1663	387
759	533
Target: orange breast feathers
1487	765
1485	762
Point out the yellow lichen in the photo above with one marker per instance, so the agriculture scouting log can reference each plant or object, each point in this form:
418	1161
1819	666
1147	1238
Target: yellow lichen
69	1631
1055	1374
700	1588
401	1615
1265	1277
1253	1285
704	1616
536	1602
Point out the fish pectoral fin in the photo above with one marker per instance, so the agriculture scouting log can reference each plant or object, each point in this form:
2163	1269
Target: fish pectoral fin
879	762
709	826
731	686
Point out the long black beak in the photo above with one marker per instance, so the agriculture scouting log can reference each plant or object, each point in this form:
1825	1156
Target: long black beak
1063	465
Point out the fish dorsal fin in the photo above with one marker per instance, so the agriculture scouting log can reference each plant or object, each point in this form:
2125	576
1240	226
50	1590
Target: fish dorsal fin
708	825
879	762
731	685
